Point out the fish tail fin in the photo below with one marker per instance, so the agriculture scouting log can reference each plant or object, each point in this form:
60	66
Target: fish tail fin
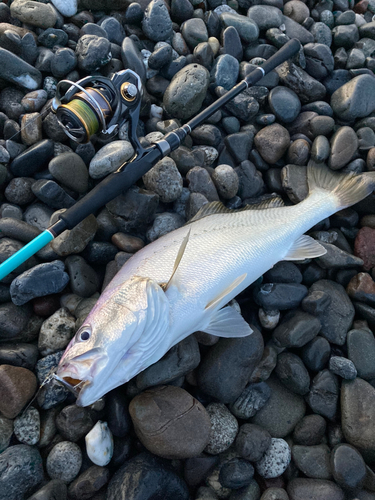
345	189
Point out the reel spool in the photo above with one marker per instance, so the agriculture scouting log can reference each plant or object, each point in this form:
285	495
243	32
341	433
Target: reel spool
97	105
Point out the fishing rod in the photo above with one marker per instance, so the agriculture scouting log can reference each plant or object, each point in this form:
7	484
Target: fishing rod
99	105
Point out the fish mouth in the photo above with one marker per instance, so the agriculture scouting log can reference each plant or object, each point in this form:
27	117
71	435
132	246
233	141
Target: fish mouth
73	384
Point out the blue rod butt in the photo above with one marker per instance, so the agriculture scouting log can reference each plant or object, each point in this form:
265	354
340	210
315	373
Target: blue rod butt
25	253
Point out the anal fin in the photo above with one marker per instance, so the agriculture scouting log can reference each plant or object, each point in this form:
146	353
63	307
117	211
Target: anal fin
228	323
305	247
215	302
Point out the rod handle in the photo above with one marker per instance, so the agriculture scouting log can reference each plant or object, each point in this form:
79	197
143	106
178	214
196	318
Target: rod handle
25	253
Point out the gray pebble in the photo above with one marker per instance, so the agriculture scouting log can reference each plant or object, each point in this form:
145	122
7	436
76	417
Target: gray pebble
224	428
275	460
252	399
109	158
165	180
27	426
164	223
56	332
226	181
157	24
343	367
64	461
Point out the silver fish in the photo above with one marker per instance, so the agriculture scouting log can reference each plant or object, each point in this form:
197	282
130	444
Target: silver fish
181	282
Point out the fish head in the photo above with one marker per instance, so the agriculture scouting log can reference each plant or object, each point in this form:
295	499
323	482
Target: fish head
123	331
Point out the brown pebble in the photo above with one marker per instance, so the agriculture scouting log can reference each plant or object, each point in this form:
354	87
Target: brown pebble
170	422
46	306
370	160
88	483
361	7
17	387
298	152
31	128
272	142
360	287
127	243
364	247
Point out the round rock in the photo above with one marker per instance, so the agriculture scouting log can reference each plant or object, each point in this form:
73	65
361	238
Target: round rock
275	460
224	428
17	387
185	94
27	426
64	461
304	488
348	467
109	158
170	422
70	170
56	332
157	24
354	99
284	104
344	144
226	181
252	442
272	142
165	180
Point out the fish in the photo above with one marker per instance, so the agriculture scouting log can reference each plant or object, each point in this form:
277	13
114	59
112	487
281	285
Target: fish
182	282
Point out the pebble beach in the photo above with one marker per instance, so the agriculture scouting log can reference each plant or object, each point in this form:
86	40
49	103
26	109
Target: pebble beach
287	413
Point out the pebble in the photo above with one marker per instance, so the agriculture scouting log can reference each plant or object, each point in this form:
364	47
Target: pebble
251	182
75	240
246	26
275	494
194	32
361	346
344	144
305	86
185	94
238	357
280	296
83	279
74	422
99	444
265	16
18	191
282	411
313	461
67	8
177	362
180	431
239	145
275	460
17	387
348	467
252	399
296	330
92	52
342	367
293	373
252	442
55	489
88	483
310	430
363	247
110	158
284	103
236	473
64	461
165	180
355	99
301	488
6	431
149	473
164	223
324	394
71	171
200	182
27	427
156	23
272	142
132	58
224	428
50	193
21	471
34	13
39	281
56	332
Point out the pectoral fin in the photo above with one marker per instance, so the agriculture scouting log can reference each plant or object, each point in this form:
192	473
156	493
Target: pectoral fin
216	301
180	253
305	247
228	323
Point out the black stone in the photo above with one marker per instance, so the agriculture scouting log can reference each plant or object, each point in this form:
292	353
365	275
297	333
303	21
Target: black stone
310	430
348	467
279	296
99	252
293	373
83	279
236	473
361	351
252	442
53	490
324	394
239	146
316	354
250	180
33	159
24	355
74	422
283	272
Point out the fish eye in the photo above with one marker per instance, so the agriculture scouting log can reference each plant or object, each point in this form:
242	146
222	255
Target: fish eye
84	335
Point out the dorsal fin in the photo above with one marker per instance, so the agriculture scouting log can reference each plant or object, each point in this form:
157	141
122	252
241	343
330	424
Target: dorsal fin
217	207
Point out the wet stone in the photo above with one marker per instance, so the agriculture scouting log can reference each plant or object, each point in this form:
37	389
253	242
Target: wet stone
310	430
348	467
194	31
361	351
324	394
181	430
293	373
152	476
74	422
252	399
225	71
236	473
275	460
342	367
33	159
64	461
40	280
21	471
224	428
247	28
92	52
27	427
290	410
119	421
178	361
88	483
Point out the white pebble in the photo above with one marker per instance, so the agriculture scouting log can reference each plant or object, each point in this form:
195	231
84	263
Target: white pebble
269	319
224	428
67	8
156	112
27	426
99	444
276	459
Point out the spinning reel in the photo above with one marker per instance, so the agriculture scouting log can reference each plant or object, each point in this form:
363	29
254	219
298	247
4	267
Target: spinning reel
99	106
